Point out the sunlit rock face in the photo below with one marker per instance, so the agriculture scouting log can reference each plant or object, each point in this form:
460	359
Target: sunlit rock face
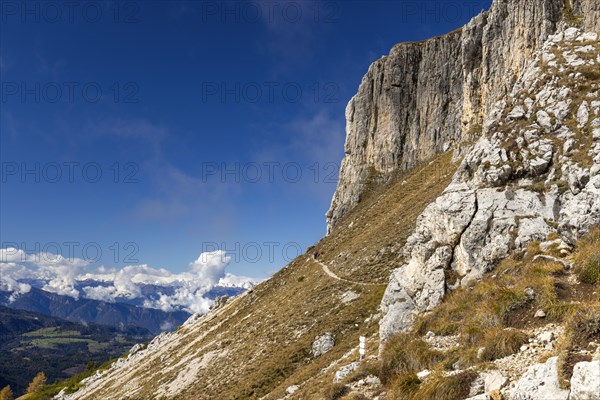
533	173
424	97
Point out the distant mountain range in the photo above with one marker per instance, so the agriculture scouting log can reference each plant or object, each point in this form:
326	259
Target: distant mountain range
60	334
123	314
118	315
133	296
32	342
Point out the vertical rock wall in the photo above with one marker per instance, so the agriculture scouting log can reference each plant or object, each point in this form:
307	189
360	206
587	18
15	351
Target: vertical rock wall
425	96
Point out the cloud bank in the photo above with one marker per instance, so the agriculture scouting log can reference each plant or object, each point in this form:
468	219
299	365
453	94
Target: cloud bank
74	277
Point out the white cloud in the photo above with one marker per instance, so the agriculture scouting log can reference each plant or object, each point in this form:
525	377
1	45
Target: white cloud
204	273
102	293
61	273
11	254
9	273
58	272
187	290
188	298
230	280
210	266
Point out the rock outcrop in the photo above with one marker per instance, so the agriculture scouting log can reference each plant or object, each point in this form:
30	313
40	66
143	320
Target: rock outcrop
323	344
540	382
585	383
425	96
535	171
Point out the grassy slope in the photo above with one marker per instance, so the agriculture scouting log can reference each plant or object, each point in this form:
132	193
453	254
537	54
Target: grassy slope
263	339
499	323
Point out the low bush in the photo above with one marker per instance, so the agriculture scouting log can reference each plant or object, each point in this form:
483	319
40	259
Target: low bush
404	387
450	387
335	391
587	258
589	272
405	354
582	328
499	343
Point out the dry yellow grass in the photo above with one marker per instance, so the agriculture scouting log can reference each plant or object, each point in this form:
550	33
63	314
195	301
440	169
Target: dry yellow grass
503	310
265	336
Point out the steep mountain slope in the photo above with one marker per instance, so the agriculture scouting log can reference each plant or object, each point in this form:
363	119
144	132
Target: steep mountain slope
529	189
528	173
261	342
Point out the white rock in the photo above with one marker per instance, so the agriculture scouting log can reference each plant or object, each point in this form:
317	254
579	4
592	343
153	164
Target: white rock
349	297
586	49
477	386
517	113
529	292
540	382
540	314
569	145
482	396
544	119
372	380
546	337
571	33
345	371
292	389
583	114
585	383
494	380
423	374
587	37
323	344
136	348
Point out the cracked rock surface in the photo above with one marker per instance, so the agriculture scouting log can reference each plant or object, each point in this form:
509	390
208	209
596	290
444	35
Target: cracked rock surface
534	172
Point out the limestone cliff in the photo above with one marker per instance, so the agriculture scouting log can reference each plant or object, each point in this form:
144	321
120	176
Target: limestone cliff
426	96
533	174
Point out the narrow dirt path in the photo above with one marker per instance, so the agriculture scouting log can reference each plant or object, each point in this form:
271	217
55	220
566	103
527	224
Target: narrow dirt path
334	276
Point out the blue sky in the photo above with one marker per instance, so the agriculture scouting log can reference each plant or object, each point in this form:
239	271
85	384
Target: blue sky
167	128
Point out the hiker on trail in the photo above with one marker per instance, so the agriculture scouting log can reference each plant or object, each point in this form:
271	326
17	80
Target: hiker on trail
316	254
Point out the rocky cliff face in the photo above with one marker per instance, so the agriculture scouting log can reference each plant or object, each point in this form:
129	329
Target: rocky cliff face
425	96
533	175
